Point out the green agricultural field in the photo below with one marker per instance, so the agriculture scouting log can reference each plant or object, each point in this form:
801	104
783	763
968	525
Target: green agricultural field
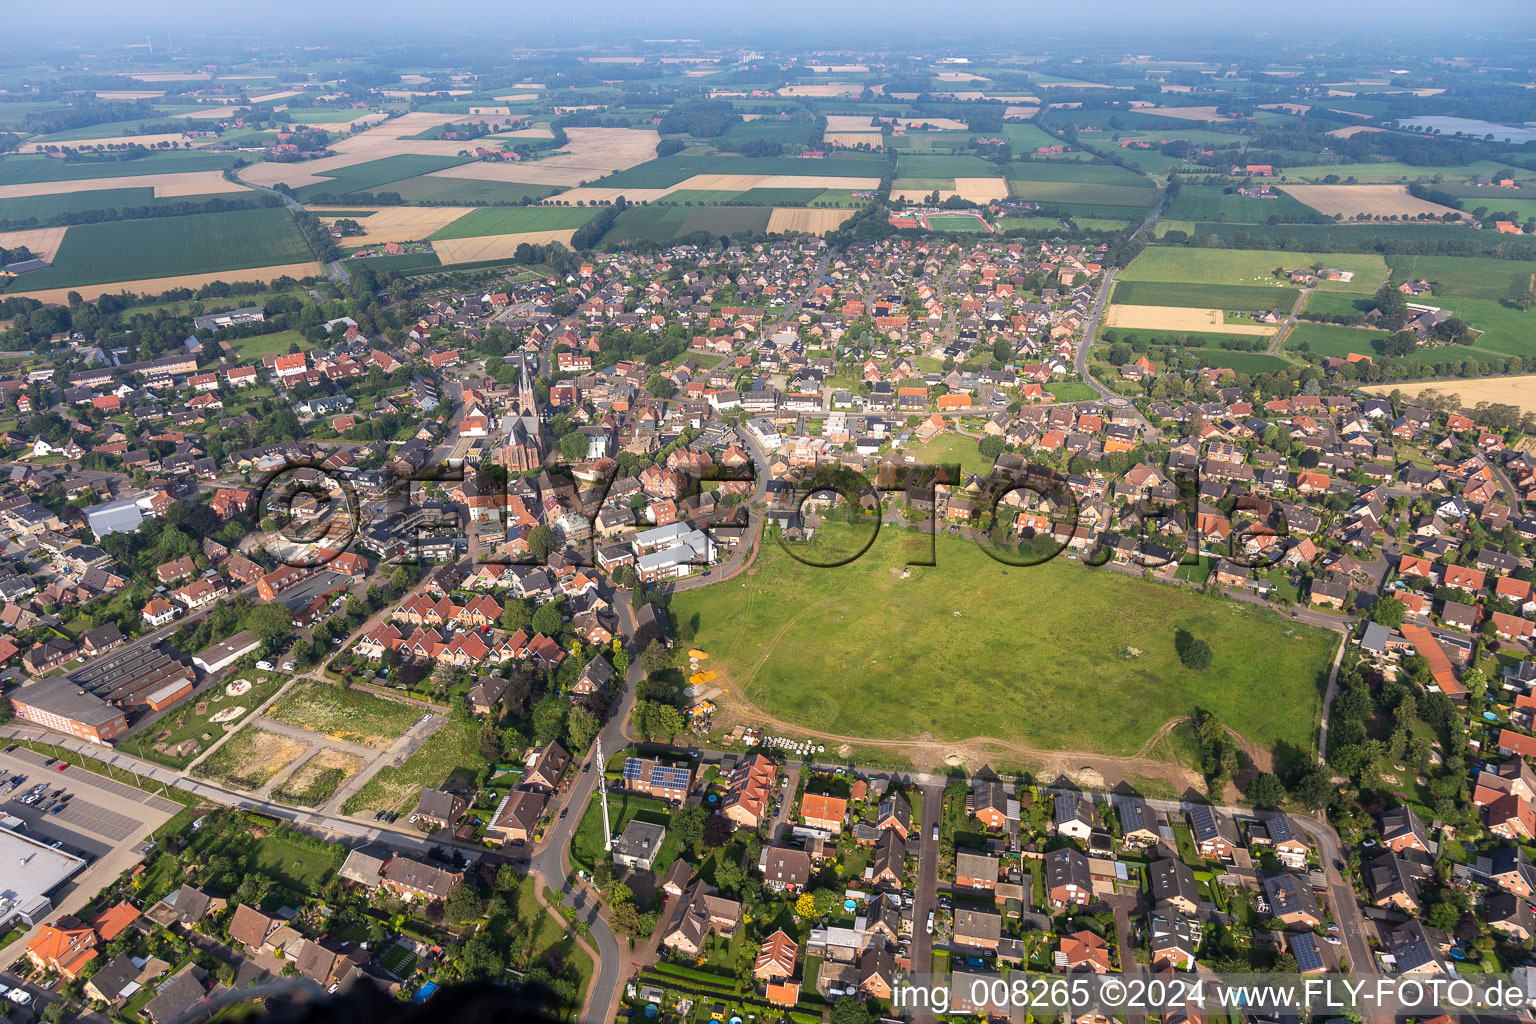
1250	267
1077	174
1193	339
45	208
1340	303
1334	340
1025	138
201	243
1210	202
727	220
372	175
1391	172
344	714
1482	292
698	197
466	191
21	170
669	170
1241	362
1056	193
920	165
1238	298
1150	161
778	196
1345	237
653	223
796	132
510	220
821	647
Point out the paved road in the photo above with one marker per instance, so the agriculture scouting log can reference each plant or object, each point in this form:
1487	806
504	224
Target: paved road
925	899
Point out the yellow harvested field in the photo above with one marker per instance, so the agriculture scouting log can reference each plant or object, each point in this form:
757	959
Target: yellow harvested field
1374	200
274	96
948	124
1014	99
489	111
390	138
130	94
156	285
592	153
1024	112
495	247
1516	391
974	94
605	195
170	76
849	122
1178	318
1184	113
43	242
518	97
809	221
116	140
1354	129
1299	109
166	186
209	113
961	76
850	139
823	89
981	190
400	223
839	69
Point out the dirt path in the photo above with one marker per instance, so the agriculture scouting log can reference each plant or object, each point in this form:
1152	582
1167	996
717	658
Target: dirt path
1258	755
929	755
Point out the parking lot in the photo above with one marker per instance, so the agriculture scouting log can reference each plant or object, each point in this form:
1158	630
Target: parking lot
98	813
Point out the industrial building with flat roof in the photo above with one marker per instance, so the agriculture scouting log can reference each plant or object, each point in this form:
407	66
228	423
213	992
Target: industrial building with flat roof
226	653
142	676
32	871
62	706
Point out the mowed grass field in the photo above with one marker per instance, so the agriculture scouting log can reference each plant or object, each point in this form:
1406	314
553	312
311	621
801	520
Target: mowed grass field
670	170
660	223
1084	184
1251	267
1236	297
168	246
510	220
1334	340
970	647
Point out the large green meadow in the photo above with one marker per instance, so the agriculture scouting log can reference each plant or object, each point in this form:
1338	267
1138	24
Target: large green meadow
1058	656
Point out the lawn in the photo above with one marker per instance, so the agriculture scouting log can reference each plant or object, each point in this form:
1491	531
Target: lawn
587	840
1250	267
200	243
1071	391
301	867
1333	340
277	343
452	750
1242	298
550	940
1241	362
509	220
344	714
948	449
942	651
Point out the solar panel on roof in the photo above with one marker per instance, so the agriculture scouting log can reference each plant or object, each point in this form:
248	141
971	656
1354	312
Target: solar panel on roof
670	778
1304	948
632	768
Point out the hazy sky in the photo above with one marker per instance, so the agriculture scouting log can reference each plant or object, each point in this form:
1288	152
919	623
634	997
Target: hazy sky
836	23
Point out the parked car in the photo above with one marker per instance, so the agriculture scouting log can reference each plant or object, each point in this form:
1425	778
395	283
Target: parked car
930	922
19	996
